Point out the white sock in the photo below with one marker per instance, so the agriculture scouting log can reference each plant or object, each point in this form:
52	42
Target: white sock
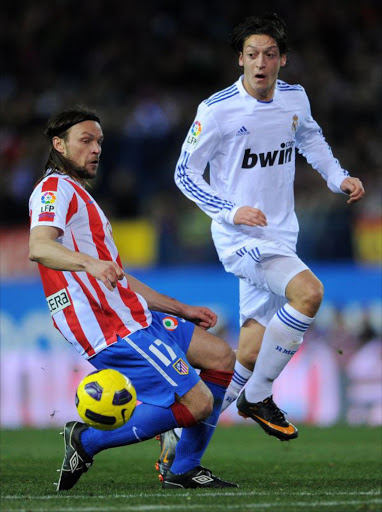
178	431
239	380
282	338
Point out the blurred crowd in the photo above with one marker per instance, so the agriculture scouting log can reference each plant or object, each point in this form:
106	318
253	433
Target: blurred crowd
145	68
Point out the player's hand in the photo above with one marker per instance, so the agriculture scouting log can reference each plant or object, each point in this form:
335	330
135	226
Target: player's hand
201	316
354	188
109	272
250	217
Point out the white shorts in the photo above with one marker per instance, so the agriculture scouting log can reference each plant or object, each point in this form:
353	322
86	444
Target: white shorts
264	269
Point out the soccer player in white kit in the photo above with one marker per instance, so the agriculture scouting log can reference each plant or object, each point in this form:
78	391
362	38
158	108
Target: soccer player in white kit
248	134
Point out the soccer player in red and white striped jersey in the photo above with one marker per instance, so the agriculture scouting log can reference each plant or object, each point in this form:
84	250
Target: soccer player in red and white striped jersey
116	321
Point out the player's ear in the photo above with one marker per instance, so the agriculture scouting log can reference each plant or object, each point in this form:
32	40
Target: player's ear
58	144
283	60
241	61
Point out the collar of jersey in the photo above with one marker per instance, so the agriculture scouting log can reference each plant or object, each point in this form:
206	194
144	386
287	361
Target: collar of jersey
250	99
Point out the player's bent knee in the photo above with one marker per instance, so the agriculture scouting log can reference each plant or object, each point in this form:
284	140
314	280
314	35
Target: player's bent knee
203	406
224	357
314	294
199	401
204	409
307	298
226	360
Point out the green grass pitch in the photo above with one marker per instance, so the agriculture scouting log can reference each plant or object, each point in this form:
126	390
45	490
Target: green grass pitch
330	469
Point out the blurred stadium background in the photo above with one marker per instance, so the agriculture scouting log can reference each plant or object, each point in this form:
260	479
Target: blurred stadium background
145	66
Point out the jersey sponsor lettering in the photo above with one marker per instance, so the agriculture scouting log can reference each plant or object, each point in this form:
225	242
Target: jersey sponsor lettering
269	159
58	301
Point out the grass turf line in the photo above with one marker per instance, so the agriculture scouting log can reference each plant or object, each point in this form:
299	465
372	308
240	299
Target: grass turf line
330	469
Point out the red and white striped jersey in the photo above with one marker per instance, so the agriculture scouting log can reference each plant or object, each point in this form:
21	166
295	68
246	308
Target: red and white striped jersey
86	313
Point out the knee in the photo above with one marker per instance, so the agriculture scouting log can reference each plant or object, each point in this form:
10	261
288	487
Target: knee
199	402
312	296
204	406
315	294
305	293
225	358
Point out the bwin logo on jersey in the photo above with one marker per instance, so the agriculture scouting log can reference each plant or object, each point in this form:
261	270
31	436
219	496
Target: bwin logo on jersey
276	157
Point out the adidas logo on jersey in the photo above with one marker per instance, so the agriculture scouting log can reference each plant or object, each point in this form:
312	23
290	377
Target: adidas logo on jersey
243	131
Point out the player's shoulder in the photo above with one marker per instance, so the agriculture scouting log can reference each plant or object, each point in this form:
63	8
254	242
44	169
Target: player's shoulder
221	98
52	183
284	87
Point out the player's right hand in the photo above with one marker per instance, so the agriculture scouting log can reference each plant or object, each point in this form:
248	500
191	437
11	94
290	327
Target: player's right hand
109	272
250	217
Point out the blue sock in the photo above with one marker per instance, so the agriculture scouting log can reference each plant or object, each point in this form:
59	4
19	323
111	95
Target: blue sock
194	440
146	422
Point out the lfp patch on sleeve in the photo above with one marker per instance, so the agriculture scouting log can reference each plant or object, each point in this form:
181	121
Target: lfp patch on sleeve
170	323
48	207
181	367
194	133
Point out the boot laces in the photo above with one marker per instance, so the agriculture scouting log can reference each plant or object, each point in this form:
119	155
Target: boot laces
275	412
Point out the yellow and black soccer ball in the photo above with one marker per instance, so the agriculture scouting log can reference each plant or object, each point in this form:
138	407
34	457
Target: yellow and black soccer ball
105	399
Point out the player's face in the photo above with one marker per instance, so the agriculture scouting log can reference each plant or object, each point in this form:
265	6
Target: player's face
82	146
261	61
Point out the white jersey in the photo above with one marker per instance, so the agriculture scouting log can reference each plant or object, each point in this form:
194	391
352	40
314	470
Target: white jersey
250	148
87	314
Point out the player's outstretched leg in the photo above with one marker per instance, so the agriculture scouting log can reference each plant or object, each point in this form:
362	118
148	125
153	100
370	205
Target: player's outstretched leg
76	462
168	441
196	478
268	416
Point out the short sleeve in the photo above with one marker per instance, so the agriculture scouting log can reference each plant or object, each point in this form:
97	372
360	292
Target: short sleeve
49	203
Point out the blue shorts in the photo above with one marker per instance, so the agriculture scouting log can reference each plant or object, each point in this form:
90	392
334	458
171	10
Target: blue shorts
154	359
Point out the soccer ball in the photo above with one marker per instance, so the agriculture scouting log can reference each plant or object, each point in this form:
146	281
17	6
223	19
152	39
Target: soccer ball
105	399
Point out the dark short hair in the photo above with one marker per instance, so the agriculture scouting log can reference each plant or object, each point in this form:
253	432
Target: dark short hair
59	123
270	24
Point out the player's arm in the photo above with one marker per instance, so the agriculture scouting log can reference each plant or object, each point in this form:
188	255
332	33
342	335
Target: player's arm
46	250
197	151
312	145
156	301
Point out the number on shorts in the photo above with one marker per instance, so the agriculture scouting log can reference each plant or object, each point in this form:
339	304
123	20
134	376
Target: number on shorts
165	360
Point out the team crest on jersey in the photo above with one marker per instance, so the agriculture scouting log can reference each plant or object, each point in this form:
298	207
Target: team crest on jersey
194	133
295	123
170	323
48	207
181	367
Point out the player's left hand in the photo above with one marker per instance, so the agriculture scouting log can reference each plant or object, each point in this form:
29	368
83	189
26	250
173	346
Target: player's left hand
354	188
201	316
